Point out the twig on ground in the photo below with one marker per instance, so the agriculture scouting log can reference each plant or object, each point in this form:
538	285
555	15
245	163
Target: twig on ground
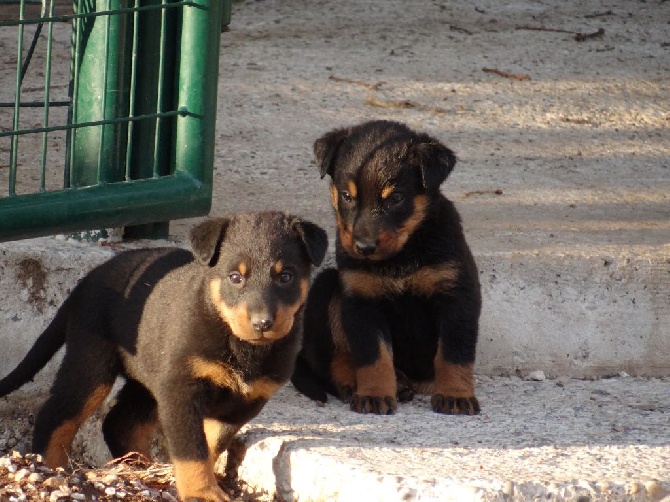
372	87
453	27
599	14
403	104
515	76
497	191
578	36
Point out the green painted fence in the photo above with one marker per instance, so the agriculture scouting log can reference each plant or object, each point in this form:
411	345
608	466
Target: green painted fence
121	137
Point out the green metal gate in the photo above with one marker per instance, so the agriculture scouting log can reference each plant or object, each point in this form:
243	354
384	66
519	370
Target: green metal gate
111	122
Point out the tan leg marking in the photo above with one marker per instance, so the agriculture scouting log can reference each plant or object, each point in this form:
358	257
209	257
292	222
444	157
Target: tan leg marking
377	379
61	438
342	370
195	479
139	438
453	380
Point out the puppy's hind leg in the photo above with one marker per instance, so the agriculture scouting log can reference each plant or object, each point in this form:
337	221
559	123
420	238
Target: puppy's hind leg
82	383
130	424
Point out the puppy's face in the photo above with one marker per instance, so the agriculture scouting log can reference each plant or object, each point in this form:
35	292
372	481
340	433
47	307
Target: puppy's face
383	176
258	273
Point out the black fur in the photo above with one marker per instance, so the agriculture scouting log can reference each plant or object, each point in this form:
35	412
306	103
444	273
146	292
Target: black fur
203	340
406	291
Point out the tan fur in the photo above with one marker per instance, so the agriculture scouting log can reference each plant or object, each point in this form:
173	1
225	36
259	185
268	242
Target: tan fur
425	282
377	379
453	380
387	191
195	479
285	314
242	268
278	267
139	438
61	438
240	322
342	367
420	208
353	189
223	375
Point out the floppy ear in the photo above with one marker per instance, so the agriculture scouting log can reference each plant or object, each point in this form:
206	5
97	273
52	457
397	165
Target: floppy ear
325	150
435	161
314	239
206	240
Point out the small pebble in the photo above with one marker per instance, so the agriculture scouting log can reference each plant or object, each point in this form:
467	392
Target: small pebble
21	474
537	375
54	482
35	477
110	479
110	490
78	496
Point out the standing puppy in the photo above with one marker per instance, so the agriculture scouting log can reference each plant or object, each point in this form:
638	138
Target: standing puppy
203	340
400	314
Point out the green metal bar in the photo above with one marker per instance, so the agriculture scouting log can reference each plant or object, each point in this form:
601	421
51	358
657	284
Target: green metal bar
161	89
129	10
103	88
34	104
153	90
133	93
14	146
112	205
47	89
197	89
182	75
73	90
121	120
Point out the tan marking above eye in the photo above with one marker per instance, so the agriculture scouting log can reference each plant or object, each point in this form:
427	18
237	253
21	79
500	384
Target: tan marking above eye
334	194
353	190
387	191
278	267
242	268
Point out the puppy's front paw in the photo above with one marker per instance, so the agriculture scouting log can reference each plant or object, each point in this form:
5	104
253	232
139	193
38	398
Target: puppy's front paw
379	405
450	405
344	392
208	494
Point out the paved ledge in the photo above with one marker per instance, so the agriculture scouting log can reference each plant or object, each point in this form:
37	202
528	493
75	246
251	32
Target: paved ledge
535	440
576	312
565	313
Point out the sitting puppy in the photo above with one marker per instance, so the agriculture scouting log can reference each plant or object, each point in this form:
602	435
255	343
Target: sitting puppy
401	313
203	340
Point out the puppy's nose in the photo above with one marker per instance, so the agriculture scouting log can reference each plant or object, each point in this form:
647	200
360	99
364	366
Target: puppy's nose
365	248
262	323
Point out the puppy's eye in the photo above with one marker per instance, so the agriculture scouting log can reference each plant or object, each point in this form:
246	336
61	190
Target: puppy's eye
346	196
285	277
396	198
236	278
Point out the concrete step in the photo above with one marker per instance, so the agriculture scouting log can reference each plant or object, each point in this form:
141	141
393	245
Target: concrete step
567	314
558	439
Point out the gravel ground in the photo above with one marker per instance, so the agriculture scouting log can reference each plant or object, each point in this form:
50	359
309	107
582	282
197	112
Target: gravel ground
607	439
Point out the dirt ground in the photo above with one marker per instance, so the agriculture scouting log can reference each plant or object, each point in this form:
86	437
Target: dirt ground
559	112
538	98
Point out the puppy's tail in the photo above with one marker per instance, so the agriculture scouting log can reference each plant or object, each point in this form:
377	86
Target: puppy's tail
47	344
308	383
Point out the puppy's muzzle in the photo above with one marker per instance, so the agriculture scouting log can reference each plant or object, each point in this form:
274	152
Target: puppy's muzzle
365	247
262	323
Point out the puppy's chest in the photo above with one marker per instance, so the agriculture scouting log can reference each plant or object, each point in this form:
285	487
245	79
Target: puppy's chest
247	382
422	282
